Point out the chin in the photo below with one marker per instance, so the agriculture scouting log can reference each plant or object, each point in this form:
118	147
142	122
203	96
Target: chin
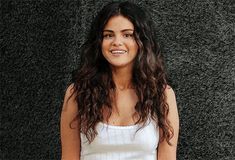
120	65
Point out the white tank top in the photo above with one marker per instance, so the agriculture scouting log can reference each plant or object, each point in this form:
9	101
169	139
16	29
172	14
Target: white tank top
122	143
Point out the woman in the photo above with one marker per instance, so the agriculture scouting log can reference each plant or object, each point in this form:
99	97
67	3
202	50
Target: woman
120	105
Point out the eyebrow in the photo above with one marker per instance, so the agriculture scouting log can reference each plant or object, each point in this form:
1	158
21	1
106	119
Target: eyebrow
108	30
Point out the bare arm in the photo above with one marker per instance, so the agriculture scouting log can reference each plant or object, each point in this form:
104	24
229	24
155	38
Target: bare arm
165	151
70	137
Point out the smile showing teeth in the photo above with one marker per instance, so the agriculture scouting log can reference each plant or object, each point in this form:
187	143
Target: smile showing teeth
118	52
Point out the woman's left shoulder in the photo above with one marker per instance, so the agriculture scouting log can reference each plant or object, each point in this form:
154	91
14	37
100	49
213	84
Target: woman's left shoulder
170	97
169	92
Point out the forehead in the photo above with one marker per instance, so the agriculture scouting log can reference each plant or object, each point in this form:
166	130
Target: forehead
119	23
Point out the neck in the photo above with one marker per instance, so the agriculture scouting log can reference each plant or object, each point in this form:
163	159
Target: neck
122	78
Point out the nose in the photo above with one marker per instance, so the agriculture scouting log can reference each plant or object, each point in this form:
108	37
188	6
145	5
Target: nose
117	41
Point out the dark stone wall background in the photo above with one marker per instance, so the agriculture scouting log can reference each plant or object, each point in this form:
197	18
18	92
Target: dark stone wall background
40	42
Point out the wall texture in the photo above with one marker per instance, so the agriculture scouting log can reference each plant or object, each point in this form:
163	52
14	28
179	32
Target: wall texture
40	42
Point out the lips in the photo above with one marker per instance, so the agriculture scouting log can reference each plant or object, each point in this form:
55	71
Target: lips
118	51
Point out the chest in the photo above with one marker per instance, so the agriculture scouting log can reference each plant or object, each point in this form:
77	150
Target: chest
123	109
123	142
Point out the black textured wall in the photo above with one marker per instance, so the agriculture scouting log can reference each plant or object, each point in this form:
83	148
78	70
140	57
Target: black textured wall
40	42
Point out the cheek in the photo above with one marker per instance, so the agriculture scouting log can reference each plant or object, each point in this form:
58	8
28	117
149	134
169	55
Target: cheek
105	49
134	47
132	44
104	46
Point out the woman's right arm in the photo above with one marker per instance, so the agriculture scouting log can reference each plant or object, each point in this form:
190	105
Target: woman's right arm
70	137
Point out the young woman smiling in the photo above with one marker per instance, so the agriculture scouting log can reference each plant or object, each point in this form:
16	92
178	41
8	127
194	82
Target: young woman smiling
120	106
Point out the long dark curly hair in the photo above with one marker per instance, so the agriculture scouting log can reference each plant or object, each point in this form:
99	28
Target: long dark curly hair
93	81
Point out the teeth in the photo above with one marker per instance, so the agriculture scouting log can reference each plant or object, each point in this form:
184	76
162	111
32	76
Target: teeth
118	52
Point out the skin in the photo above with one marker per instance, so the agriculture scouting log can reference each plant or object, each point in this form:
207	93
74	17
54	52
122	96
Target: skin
117	35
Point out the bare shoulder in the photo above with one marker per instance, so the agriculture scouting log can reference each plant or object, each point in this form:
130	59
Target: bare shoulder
70	88
169	93
171	101
69	126
70	104
70	107
69	91
166	151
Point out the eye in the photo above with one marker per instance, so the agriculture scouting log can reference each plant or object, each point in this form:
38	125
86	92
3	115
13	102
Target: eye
107	36
128	35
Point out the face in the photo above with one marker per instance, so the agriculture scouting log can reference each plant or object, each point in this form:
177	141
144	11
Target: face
119	46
